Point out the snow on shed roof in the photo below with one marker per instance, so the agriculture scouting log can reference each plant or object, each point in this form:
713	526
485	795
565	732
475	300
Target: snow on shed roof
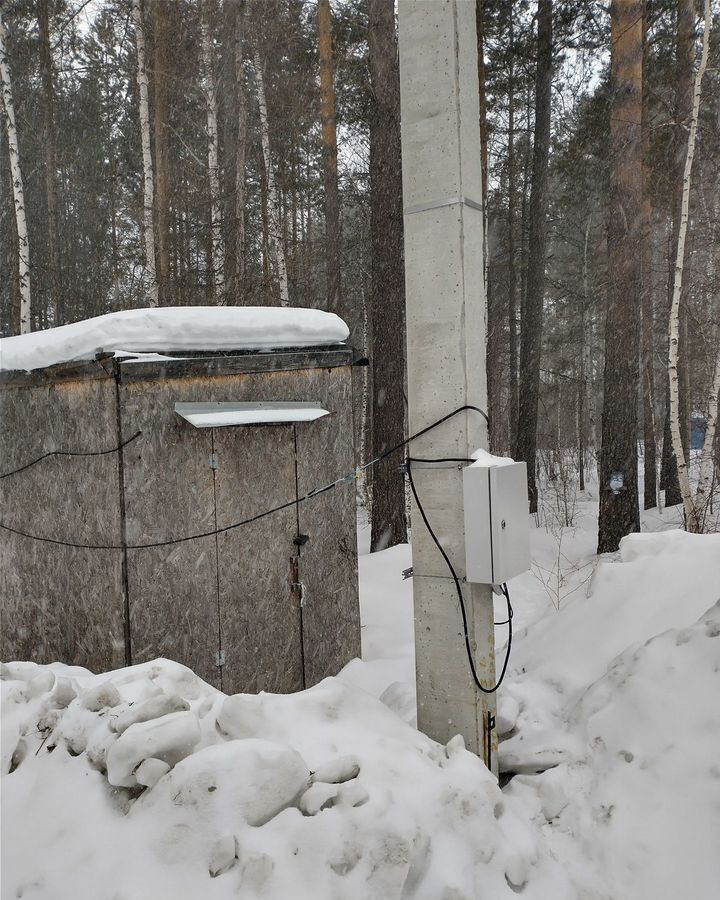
176	328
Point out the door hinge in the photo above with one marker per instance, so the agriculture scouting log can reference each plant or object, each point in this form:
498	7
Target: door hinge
220	658
214	461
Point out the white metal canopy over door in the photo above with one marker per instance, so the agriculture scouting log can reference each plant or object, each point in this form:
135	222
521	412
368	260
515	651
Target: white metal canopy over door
222	414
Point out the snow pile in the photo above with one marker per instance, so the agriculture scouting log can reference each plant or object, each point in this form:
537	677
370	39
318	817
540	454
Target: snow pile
616	697
174	328
147	782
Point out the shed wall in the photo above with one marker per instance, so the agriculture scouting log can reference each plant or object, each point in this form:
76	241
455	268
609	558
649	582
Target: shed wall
60	603
237	592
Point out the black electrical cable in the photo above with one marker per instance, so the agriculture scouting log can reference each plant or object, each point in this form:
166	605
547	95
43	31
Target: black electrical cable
34	462
458	588
310	494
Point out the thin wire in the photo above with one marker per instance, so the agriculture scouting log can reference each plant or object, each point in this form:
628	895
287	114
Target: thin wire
351	476
71	453
458	588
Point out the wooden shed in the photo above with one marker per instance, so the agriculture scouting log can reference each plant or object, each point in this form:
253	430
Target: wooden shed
211	438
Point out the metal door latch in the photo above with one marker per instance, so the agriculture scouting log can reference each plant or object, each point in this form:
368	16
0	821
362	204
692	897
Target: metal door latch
214	461
220	658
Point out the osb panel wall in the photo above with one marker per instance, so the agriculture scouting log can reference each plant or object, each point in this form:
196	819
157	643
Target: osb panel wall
328	561
60	603
169	494
188	603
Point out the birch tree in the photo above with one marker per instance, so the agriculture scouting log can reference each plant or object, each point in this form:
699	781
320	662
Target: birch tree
148	183
274	221
210	91
694	513
161	83
17	183
240	150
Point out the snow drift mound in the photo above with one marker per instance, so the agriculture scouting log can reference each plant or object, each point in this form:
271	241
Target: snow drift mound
173	328
147	782
616	698
640	806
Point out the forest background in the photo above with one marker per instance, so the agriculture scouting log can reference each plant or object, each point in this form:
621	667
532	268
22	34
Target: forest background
189	152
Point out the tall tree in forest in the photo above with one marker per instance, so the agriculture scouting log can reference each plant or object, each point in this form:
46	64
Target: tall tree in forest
494	330
240	148
480	32
619	509
17	184
511	216
210	85
329	150
49	142
693	512
161	79
684	65
273	200
387	291
532	319
648	318
148	178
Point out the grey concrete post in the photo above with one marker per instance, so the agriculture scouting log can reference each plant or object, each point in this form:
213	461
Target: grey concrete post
446	311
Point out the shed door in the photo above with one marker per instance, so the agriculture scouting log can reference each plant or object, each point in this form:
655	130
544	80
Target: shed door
260	631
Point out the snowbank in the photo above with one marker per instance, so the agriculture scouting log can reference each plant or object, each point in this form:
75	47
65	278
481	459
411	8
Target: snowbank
320	795
616	698
174	328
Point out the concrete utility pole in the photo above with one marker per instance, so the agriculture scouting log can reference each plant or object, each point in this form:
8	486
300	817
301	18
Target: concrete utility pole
446	311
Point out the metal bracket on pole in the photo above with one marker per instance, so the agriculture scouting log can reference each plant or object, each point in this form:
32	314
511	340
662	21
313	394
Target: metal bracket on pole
438	204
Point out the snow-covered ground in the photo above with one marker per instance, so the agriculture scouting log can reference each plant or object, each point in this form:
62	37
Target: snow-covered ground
148	783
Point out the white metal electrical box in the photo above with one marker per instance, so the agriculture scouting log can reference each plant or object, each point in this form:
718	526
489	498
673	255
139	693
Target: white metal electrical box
497	530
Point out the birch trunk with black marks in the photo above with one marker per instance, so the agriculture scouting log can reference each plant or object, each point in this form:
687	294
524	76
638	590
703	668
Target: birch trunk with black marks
23	241
693	514
211	105
148	177
161	57
273	204
240	152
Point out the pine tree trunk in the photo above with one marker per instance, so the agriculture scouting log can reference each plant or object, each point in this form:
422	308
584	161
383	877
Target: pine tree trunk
329	152
648	318
693	520
619	509
387	301
273	205
584	381
210	89
532	321
161	56
148	177
23	240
